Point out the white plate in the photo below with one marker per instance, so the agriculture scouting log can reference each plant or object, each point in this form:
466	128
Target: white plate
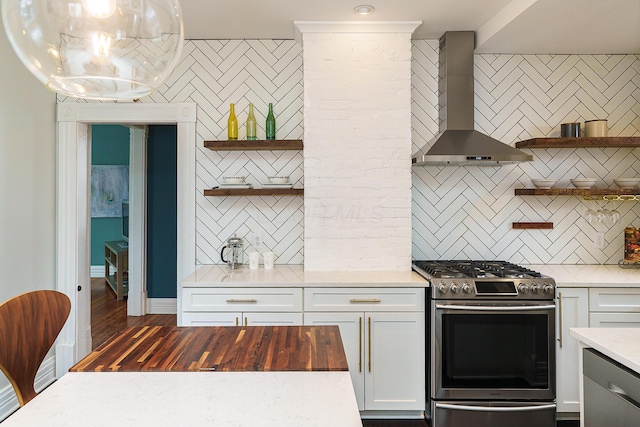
277	185
228	186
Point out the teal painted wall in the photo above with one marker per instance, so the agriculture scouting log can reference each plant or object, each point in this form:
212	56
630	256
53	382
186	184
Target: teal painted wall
162	211
109	146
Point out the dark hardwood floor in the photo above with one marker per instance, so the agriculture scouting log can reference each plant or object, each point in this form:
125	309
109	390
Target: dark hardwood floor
109	316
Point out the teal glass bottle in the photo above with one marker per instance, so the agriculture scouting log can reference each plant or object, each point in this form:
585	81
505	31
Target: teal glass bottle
271	124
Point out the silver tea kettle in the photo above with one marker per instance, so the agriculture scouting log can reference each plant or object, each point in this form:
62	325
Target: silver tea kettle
234	253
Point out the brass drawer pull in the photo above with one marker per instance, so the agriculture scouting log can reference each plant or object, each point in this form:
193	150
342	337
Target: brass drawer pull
242	300
356	300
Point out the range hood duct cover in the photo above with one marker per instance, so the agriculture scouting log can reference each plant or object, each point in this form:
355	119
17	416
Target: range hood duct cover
458	144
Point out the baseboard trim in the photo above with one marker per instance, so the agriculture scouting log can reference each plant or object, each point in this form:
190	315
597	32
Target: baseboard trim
45	376
392	415
97	271
162	305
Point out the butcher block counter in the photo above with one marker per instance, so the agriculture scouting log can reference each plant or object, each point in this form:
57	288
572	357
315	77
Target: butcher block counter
222	349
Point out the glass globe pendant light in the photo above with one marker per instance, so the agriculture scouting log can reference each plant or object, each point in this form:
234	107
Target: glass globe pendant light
96	49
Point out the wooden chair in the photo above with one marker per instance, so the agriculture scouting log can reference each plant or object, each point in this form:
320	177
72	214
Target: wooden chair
29	325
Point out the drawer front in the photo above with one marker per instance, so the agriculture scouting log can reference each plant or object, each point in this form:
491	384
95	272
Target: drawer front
245	300
614	299
242	319
614	320
364	299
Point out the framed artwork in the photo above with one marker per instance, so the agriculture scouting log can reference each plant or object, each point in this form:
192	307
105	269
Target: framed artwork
109	186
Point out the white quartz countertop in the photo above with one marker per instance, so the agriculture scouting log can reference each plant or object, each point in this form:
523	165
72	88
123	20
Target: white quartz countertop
590	275
294	275
620	344
195	399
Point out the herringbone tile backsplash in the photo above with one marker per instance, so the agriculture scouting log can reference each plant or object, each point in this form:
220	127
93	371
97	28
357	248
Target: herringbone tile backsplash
467	212
457	212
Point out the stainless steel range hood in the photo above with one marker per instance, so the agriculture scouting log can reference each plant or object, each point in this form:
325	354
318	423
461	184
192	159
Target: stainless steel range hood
458	143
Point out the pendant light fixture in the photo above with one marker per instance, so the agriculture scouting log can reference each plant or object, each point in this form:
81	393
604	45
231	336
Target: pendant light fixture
96	49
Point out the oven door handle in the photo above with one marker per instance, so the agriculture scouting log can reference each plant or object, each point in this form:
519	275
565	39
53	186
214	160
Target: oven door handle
495	408
502	308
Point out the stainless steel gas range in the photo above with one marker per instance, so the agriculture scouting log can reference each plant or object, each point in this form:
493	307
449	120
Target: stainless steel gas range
492	344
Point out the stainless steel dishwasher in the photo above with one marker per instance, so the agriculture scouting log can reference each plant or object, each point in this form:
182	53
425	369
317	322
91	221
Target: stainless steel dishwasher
611	392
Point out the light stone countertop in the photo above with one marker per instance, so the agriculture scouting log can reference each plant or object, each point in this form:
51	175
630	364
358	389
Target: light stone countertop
590	276
195	399
620	344
285	276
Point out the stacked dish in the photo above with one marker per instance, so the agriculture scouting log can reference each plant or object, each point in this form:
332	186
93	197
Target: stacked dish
584	183
235	182
278	182
544	184
627	182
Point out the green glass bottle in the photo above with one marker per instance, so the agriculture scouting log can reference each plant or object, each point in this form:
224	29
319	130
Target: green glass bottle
232	123
251	124
271	123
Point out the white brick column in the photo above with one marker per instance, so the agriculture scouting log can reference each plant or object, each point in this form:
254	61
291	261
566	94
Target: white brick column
357	145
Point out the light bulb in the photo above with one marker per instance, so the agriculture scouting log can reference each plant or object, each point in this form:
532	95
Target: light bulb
100	9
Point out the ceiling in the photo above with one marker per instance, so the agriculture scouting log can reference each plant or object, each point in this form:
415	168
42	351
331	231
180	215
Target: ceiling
501	26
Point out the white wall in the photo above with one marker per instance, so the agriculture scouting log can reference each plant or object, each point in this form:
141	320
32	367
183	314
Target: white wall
357	151
27	179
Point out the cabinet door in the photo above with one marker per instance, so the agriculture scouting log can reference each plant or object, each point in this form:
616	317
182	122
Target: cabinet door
572	312
211	319
272	319
395	361
351	331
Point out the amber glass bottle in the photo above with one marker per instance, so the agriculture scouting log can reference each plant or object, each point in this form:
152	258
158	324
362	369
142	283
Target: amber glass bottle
232	123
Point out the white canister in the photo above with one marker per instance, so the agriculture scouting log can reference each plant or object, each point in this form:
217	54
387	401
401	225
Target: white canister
595	128
269	258
254	260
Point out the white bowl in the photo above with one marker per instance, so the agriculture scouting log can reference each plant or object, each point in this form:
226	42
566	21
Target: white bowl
627	182
544	184
584	183
278	179
233	179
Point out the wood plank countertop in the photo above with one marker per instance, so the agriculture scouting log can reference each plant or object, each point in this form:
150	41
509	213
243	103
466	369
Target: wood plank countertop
219	348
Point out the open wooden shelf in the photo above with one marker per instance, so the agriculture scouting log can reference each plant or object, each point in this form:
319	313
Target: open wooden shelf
254	192
257	145
580	142
577	192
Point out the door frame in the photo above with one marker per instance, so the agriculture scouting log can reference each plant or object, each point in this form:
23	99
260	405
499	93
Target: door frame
73	173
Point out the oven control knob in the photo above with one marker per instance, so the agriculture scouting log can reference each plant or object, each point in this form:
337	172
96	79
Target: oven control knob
547	288
536	288
455	288
442	288
466	288
523	289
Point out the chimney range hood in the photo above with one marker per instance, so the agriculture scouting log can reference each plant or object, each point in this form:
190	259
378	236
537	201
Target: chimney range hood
458	144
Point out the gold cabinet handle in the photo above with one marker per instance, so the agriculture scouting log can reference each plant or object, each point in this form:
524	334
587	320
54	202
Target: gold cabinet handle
236	321
360	344
371	300
245	322
242	300
560	318
369	344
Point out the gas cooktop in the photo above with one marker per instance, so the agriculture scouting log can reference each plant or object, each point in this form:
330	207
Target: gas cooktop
472	279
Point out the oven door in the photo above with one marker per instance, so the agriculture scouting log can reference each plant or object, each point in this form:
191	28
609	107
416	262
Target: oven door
493	350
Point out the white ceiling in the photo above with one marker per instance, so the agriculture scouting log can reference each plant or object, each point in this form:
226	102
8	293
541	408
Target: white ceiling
501	26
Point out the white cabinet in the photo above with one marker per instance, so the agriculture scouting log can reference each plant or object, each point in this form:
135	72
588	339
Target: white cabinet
614	307
572	312
237	307
383	334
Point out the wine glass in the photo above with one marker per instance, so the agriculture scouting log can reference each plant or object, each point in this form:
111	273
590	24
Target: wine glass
615	215
590	215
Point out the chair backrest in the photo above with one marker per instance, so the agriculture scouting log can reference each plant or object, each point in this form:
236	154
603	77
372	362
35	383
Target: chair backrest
29	325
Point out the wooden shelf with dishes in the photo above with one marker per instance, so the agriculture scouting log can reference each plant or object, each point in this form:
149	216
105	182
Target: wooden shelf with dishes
587	193
256	145
580	142
254	192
